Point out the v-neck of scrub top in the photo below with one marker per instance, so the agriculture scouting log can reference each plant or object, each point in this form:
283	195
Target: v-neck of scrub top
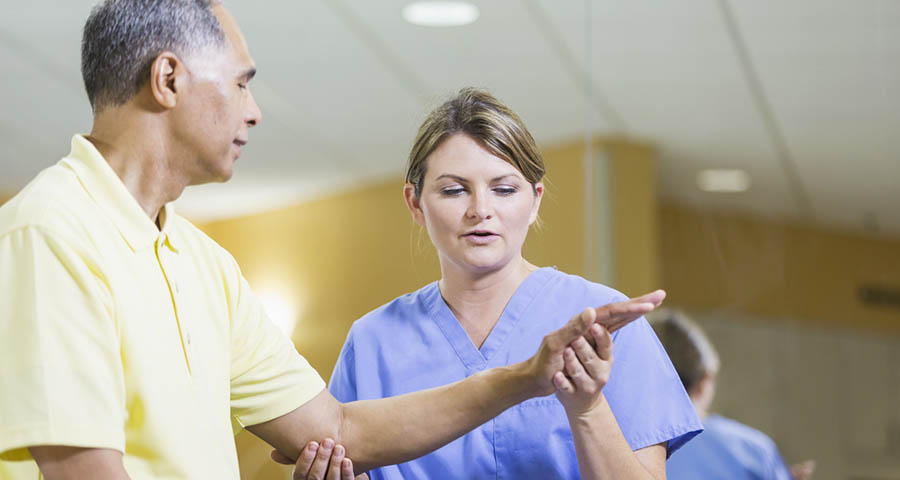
473	358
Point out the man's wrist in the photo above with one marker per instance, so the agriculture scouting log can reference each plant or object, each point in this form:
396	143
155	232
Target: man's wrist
527	380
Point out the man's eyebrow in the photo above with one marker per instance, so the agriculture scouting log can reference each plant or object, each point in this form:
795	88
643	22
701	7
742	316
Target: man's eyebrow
248	74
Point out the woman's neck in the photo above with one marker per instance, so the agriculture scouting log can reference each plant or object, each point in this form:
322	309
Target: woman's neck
477	299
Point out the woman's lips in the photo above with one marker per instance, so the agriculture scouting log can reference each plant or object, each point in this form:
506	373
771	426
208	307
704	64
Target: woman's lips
481	238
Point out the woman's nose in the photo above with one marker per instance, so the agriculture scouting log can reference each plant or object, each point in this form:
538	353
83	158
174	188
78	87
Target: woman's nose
480	206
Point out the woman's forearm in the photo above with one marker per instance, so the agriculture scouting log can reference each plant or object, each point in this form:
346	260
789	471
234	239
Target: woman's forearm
603	452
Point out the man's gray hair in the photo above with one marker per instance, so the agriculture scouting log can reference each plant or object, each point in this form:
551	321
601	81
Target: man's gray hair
122	38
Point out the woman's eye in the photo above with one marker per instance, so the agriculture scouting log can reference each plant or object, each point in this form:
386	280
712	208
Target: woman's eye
242	86
505	191
452	192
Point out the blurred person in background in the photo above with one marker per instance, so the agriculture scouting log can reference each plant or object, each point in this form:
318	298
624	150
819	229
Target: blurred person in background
726	449
474	182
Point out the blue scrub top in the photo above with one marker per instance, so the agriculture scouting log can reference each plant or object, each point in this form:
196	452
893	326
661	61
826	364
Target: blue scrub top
728	449
415	342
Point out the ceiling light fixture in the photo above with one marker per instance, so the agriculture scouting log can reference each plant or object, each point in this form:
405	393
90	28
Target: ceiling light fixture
723	180
440	14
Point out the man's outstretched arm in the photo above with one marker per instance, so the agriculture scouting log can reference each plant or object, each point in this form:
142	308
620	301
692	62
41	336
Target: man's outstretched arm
397	429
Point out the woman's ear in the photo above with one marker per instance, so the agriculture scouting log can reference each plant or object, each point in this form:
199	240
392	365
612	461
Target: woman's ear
413	204
538	195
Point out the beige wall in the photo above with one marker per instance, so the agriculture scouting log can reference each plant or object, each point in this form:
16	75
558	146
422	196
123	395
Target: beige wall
634	226
746	264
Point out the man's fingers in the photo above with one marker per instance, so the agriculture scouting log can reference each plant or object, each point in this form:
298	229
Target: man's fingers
616	315
576	327
655	297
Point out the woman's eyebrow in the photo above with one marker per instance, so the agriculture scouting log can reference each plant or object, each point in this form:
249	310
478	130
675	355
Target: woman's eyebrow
464	180
453	177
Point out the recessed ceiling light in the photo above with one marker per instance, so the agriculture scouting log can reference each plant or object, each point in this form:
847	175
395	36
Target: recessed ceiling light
440	14
723	180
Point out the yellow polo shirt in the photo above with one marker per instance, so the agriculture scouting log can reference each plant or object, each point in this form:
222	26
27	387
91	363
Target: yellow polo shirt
115	334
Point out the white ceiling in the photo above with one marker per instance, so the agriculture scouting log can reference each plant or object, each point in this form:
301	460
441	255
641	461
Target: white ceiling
803	94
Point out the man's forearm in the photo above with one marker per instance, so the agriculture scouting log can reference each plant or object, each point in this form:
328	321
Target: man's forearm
397	429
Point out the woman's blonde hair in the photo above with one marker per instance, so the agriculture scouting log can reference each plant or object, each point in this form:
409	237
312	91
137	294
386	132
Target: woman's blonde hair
481	116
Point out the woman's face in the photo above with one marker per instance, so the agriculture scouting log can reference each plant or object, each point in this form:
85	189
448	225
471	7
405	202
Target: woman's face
476	207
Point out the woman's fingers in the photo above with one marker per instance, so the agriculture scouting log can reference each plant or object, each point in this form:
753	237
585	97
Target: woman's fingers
347	471
575	370
304	461
319	467
335	468
604	344
563	384
586	358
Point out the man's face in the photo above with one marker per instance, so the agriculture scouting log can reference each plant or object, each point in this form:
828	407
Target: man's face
213	120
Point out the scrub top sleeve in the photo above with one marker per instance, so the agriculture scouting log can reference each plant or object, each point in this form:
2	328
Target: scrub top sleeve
645	393
269	378
779	470
343	378
61	374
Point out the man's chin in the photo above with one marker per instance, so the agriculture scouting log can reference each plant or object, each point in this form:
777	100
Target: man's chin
219	177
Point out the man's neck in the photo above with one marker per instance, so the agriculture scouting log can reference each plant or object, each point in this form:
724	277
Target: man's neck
135	148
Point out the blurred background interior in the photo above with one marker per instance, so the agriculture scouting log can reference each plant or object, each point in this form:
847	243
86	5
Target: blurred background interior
743	155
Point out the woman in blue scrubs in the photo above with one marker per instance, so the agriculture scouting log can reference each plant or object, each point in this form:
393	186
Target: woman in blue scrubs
474	181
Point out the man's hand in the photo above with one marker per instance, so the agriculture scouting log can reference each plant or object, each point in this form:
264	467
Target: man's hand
321	462
549	359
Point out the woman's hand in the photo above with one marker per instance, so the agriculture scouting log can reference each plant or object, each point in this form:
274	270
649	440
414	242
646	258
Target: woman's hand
588	362
321	462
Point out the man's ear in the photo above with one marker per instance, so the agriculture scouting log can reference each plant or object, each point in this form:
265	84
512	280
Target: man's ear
412	203
164	71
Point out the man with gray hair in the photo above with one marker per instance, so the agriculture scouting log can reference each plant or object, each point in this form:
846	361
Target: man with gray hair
130	344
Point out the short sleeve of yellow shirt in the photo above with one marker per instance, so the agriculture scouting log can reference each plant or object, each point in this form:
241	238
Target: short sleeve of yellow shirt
117	334
61	379
264	365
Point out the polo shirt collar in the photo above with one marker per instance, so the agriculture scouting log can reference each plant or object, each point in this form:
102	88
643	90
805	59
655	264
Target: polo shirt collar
107	189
